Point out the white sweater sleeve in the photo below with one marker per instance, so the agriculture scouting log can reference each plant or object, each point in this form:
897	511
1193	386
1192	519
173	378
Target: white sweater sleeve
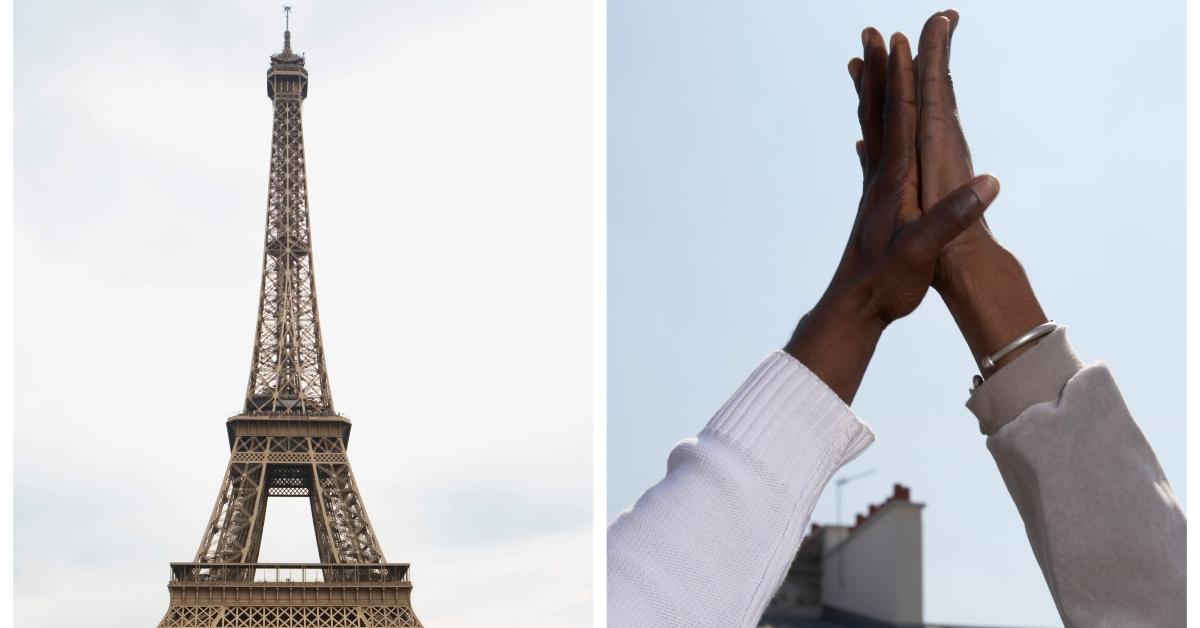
710	544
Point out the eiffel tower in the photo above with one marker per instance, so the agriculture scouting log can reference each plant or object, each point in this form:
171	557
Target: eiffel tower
289	442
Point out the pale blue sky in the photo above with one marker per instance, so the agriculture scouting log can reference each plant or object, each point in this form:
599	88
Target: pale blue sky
732	185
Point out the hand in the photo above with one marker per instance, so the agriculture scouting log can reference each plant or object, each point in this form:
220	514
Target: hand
895	241
981	282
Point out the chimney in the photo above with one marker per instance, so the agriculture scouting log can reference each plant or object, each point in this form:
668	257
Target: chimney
876	571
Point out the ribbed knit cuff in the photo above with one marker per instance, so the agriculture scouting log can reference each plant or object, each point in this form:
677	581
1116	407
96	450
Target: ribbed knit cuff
787	418
1035	376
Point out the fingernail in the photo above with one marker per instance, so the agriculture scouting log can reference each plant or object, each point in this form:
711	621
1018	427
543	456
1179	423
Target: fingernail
896	39
951	16
866	35
986	188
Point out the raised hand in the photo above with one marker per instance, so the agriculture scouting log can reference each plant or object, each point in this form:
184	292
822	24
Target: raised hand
982	283
896	239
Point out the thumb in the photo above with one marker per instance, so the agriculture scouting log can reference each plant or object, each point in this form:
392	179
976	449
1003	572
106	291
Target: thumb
952	215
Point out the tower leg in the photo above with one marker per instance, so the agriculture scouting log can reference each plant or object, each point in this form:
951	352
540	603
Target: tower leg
235	526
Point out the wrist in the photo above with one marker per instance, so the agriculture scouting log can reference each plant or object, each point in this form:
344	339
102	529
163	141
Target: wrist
990	297
836	340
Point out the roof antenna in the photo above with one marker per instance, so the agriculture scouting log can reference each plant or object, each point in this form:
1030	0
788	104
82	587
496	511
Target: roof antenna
842	481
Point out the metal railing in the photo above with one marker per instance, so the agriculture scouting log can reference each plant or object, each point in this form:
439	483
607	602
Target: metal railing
281	414
290	572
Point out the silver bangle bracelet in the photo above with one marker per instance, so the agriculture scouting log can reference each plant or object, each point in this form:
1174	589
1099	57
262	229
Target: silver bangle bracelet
989	362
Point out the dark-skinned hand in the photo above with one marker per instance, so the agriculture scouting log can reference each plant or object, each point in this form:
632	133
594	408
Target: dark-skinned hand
896	240
981	282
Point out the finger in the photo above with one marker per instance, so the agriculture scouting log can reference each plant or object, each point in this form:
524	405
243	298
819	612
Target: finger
933	52
920	98
871	95
923	44
856	71
945	157
955	213
951	15
899	159
860	148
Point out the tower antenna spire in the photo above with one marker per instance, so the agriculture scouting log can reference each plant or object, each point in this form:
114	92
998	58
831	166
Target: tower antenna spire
287	29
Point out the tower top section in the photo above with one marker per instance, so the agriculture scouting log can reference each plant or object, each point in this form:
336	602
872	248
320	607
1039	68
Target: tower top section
287	373
287	77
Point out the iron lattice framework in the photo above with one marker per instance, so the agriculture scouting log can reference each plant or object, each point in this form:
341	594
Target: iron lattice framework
288	441
331	616
315	467
287	372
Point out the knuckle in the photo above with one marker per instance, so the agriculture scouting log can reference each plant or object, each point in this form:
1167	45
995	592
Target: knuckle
891	110
934	72
898	105
886	175
937	114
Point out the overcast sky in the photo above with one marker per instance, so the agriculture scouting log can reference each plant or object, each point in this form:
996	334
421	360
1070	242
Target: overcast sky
449	162
732	186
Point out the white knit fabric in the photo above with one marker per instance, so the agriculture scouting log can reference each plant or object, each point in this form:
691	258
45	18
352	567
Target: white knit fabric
710	544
